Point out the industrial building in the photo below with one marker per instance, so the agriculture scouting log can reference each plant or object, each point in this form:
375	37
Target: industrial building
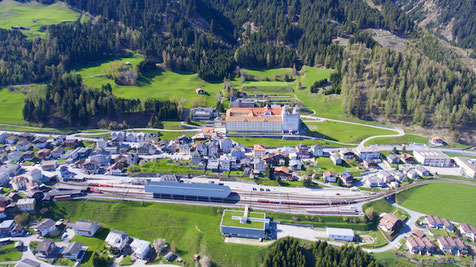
188	191
244	224
434	158
340	234
467	166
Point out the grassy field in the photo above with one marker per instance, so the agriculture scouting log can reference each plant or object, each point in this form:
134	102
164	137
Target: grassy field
273	142
269	73
34	15
95	244
344	132
325	164
9	253
388	259
406	139
11	105
453	201
380	206
162	166
194	229
155	84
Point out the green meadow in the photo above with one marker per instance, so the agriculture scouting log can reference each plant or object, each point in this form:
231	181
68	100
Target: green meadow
344	132
193	229
452	201
405	139
34	15
11	105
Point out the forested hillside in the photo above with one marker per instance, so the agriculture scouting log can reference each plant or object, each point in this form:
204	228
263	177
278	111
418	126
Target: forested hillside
454	20
423	84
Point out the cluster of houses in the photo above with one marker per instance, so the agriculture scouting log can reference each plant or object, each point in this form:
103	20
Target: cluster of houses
419	243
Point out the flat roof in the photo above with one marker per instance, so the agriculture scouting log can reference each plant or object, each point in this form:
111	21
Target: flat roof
188	189
231	218
339	231
432	154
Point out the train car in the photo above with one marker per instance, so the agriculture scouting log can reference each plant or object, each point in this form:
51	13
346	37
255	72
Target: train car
263	201
93	184
95	191
62	197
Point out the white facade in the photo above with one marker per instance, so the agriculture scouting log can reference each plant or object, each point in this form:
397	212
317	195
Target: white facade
263	120
140	248
340	234
26	204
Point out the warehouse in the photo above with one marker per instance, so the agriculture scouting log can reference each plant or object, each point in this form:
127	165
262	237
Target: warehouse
244	224
340	234
188	191
434	158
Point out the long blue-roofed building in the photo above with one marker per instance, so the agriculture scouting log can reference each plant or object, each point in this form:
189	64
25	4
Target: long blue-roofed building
188	191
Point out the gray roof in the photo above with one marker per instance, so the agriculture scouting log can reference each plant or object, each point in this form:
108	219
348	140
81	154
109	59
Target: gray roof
189	189
45	224
87	226
74	248
27	263
44	245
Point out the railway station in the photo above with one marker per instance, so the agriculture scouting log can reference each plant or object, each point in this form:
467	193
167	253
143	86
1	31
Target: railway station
189	191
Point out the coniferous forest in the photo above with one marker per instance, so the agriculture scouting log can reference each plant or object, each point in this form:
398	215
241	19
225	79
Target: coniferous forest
424	85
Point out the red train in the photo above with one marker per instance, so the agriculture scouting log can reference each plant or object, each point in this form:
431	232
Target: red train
298	203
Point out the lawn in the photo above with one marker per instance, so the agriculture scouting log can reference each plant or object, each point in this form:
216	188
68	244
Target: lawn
405	139
325	164
34	15
194	229
453	201
269	73
388	259
95	244
274	142
380	206
163	166
155	84
11	105
344	132
9	253
228	220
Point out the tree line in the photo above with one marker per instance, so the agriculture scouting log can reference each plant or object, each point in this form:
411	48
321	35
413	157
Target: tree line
288	252
67	102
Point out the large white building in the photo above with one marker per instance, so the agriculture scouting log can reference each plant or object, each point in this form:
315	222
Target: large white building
264	119
433	158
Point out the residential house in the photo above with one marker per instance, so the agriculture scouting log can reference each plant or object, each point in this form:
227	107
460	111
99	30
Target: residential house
448	225
346	177
140	248
23	145
17	231
422	171
259	150
225	163
11	140
44	153
203	113
70	142
46	248
26	204
437	141
468	231
90	166
85	228
407	158
213	164
28	156
389	222
238	152
37	175
185	149
117	168
336	159
347	153
283	173
393	159
57	152
370	163
15	156
372	181
386	176
49	165
40	142
368	153
419	245
295	164
74	252
6	226
3	137
412	174
45	227
329	177
317	151
117	239
259	165
452	245
433	222
19	182
225	145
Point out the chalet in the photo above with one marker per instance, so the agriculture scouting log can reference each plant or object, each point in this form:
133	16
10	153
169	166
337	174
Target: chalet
317	151
336	159
28	156
259	150
448	225
386	176
393	159
90	166
329	177
117	239
57	152
140	248
40	142
84	228
370	163
15	156
295	164
283	172
412	174
45	227
434	222
200	91
259	165
17	231
368	153
23	145
347	153
346	177
46	248
373	181
419	245
5	227
468	231
11	140
422	171
74	252
452	245
44	153
437	141
407	158
71	142
389	222
50	165
19	182
117	168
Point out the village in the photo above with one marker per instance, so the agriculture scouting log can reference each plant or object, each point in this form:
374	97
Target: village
210	168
